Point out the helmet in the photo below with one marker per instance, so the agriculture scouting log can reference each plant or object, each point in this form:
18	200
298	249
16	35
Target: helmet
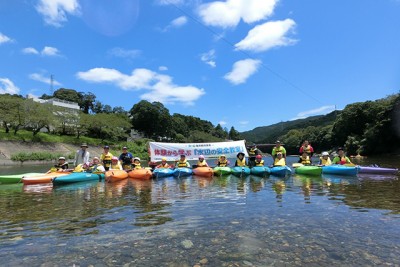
201	157
164	159
258	157
61	158
136	158
114	158
325	153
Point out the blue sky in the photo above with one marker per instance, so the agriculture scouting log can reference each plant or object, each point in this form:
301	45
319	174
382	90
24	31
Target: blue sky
241	63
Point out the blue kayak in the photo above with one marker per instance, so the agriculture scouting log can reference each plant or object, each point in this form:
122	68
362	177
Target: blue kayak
76	177
340	170
163	172
240	171
281	171
182	172
260	171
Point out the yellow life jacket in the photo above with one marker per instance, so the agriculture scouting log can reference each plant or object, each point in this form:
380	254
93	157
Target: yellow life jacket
325	162
116	166
222	163
79	168
166	165
252	152
280	162
137	165
307	149
106	159
261	163
241	163
305	161
202	163
182	164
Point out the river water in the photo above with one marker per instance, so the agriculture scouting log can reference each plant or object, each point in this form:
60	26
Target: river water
194	221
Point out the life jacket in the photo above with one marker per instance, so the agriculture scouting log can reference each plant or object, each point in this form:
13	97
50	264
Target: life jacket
137	165
252	152
222	163
261	163
182	164
63	166
305	161
277	150
325	162
202	163
79	168
280	162
106	159
94	168
116	166
341	160
307	149
241	163
166	165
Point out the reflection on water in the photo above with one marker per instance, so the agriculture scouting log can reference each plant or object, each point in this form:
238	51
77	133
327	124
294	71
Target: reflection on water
218	221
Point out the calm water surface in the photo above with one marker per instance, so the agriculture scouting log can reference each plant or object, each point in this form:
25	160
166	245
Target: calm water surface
220	221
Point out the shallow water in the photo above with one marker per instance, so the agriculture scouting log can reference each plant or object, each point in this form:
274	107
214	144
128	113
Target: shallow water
220	221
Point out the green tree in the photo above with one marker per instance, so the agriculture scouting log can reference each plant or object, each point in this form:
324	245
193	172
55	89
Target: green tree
86	102
234	135
67	95
38	115
11	112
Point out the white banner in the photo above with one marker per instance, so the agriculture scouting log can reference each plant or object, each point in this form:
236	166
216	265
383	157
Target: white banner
192	151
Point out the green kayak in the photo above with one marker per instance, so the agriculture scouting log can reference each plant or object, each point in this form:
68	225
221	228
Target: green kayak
308	170
222	171
16	178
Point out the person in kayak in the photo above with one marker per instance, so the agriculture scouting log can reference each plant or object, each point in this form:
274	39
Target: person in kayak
305	158
325	160
241	160
279	160
341	158
115	164
306	147
222	161
164	164
253	152
95	166
61	166
259	161
182	162
136	163
278	148
201	162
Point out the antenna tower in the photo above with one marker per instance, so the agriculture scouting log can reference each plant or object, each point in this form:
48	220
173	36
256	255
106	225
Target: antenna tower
51	84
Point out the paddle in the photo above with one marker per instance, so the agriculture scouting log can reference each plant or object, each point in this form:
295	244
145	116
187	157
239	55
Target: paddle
295	165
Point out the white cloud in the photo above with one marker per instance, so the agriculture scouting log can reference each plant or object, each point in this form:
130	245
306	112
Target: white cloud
55	11
209	58
162	68
318	111
268	35
229	13
160	87
46	51
50	51
40	78
30	50
8	87
176	23
170	2
222	123
5	39
242	70
124	53
243	122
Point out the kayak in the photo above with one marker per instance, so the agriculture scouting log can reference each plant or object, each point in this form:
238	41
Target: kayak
16	178
240	171
222	170
203	171
260	171
377	170
76	177
281	171
308	170
115	175
42	179
340	170
179	172
163	172
140	174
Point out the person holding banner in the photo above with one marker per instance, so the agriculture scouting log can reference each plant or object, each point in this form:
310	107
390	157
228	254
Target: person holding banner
241	160
182	162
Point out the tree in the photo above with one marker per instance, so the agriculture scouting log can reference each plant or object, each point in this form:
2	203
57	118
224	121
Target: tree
11	112
152	119
219	132
86	102
67	95
38	115
234	135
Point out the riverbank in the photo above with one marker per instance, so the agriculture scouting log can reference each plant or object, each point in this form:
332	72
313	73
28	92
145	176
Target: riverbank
9	148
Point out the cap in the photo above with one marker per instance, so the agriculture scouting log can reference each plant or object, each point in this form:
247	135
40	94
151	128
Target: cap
164	159
340	148
106	147
124	147
114	158
62	158
136	158
201	157
84	145
258	157
278	142
325	153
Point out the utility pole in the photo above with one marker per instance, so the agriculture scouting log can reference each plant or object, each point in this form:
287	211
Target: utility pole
51	84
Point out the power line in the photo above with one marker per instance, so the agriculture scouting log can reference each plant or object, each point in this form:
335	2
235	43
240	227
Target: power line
245	53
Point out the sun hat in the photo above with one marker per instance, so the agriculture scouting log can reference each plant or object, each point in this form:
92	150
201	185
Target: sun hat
201	157
84	145
61	158
124	147
136	158
325	153
114	158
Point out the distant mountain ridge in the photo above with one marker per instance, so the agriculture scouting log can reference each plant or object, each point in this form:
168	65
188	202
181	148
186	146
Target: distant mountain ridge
269	134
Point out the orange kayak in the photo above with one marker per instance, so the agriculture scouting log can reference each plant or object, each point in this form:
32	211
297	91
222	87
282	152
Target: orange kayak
140	174
115	175
203	171
42	179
